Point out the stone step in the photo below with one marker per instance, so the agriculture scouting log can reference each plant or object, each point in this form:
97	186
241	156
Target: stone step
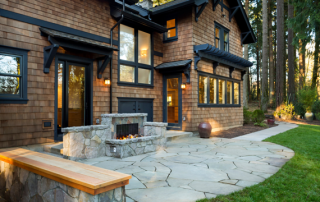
174	135
56	148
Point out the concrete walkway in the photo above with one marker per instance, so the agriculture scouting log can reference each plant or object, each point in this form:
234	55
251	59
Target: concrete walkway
264	134
193	168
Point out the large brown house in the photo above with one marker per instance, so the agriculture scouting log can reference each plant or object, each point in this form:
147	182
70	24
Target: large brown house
180	62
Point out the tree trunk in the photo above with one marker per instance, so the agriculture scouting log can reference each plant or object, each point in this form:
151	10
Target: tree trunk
301	64
280	51
246	88
271	66
258	74
291	90
316	57
264	79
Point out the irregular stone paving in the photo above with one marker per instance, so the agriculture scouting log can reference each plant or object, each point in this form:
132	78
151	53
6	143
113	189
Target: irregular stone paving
193	168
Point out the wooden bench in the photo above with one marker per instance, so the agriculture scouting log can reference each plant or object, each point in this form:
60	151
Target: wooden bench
90	179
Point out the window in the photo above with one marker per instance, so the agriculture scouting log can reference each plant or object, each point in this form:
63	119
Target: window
221	37
13	75
135	58
218	91
172	34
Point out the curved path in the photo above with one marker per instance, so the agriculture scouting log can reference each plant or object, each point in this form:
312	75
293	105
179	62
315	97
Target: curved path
194	168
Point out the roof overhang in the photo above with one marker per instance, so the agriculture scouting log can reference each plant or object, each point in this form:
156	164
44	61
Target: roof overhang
182	66
220	57
132	18
73	42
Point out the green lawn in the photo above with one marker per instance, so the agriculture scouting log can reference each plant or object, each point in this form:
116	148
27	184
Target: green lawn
297	180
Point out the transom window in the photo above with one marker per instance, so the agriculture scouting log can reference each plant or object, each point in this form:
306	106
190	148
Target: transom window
13	75
135	66
217	91
172	34
221	37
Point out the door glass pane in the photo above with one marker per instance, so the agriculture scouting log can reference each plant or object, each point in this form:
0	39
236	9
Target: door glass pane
144	76
126	43
127	73
236	93
173	100
203	86
229	92
60	80
222	91
76	98
144	47
213	91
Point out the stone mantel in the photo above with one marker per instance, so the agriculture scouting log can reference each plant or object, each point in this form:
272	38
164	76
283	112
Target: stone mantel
156	124
124	115
84	128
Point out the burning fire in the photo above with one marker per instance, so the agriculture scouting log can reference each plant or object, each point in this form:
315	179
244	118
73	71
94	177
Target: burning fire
128	137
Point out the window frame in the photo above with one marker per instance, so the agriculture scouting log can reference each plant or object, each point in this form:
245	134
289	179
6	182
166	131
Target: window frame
22	98
221	36
135	63
217	77
171	39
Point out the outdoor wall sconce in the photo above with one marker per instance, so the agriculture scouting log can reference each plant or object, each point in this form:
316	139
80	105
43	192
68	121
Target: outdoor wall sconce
144	53
183	86
223	15
107	81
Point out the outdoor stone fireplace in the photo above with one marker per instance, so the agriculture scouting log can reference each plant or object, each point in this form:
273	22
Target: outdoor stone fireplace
119	135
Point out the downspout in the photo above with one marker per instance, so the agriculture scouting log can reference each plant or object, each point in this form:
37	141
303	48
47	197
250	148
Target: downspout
111	61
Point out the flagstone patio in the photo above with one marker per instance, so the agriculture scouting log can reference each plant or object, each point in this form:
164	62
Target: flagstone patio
194	168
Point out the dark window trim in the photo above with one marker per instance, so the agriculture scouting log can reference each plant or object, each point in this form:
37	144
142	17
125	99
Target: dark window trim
22	98
217	77
171	39
135	64
221	36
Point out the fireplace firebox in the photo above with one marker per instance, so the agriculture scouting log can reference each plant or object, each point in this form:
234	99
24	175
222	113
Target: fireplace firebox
127	131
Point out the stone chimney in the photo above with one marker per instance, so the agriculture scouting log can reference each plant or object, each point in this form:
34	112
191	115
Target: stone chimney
146	4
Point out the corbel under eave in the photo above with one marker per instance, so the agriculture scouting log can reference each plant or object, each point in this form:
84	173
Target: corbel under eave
199	11
49	52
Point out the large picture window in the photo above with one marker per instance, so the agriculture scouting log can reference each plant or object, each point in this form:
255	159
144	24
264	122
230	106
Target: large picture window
218	91
13	75
135	57
221	37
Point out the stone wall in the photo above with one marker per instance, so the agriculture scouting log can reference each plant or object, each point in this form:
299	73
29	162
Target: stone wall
17	184
85	142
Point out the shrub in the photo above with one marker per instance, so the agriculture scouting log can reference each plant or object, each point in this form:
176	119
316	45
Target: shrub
318	116
316	107
287	111
307	96
246	115
261	124
299	109
258	116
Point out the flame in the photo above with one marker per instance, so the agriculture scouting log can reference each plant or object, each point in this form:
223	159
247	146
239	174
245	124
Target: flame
127	137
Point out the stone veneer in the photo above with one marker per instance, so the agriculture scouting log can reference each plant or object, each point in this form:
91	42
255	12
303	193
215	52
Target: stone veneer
17	184
85	142
125	118
154	139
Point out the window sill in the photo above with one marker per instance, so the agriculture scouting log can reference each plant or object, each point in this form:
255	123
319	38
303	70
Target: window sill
13	101
135	85
217	105
170	40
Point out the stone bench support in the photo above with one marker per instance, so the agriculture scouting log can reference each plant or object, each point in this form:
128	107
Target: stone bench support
156	129
85	142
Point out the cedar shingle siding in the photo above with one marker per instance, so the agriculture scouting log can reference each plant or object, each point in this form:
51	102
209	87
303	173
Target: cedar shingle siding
21	124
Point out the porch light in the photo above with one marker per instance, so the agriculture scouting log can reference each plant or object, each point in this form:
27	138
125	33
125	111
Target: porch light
107	81
183	86
143	52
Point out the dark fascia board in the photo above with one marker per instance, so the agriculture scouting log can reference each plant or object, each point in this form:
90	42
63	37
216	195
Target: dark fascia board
220	60
50	25
133	8
117	13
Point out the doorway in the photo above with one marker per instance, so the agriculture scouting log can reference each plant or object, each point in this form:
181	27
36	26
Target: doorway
73	95
172	101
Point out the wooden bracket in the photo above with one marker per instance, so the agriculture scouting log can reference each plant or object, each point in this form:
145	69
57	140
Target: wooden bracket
233	12
214	4
49	53
215	65
196	60
187	73
199	11
244	36
231	69
102	65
